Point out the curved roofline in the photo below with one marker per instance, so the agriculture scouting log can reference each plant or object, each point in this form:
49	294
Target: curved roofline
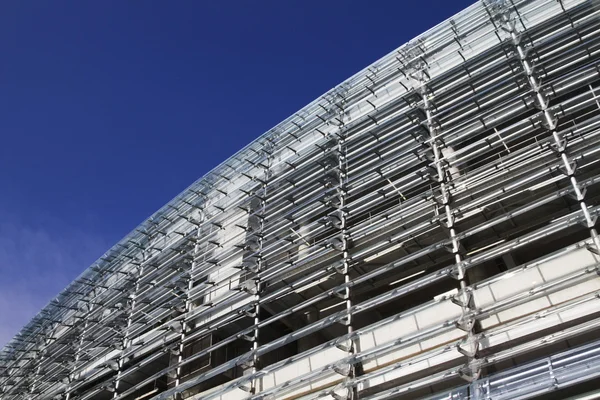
356	82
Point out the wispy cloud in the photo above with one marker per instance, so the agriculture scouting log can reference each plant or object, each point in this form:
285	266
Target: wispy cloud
36	262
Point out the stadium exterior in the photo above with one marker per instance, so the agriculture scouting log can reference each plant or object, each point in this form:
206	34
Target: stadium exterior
424	229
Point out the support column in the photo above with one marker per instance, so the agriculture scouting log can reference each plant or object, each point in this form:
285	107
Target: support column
255	364
38	368
125	343
340	221
185	327
89	308
444	180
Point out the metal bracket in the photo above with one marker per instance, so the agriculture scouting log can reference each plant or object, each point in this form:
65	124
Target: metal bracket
465	324
541	103
346	345
334	220
341	293
578	197
342	369
248	338
245	388
470	349
249	286
550	125
335	243
334	200
573	167
592	249
469	373
344	320
340	269
559	148
592	222
454	272
428	174
346	395
174	351
463	299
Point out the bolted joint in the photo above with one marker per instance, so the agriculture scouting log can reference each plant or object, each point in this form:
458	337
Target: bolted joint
345	320
593	250
589	223
343	369
469	347
335	243
248	338
470	373
341	293
341	393
346	345
559	147
463	299
465	323
570	169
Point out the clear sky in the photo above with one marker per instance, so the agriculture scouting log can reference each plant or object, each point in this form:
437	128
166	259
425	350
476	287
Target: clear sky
108	109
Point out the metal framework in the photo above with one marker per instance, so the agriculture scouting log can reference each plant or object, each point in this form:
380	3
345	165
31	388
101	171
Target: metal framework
424	229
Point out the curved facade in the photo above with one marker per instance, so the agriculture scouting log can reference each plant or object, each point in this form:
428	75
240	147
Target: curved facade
424	229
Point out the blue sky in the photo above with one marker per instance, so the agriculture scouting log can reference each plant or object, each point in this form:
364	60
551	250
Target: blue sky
108	109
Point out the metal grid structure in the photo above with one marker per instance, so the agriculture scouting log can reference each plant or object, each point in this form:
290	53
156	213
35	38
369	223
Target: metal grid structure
427	222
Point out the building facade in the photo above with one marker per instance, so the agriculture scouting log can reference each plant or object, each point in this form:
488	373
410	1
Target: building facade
426	229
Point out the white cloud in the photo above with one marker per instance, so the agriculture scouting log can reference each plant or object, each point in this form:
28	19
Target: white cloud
36	263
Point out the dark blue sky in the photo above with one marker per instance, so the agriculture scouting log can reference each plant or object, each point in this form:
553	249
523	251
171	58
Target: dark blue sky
108	109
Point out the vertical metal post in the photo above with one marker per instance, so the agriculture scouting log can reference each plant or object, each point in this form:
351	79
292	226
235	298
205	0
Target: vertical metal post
86	323
444	181
36	375
268	149
126	342
188	303
342	212
5	372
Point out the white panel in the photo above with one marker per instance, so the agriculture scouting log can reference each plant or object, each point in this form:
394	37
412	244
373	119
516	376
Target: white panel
396	374
291	371
566	264
584	309
489	322
438	313
527	308
589	286
393	356
442	339
518	283
235	394
444	357
325	357
534	326
367	340
483	297
494	340
393	331
326	381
